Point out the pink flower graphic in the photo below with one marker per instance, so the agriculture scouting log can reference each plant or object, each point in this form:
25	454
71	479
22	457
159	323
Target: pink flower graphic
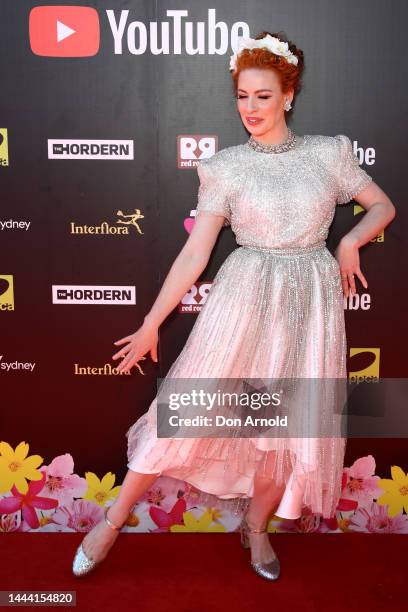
359	483
374	519
164	492
27	502
61	483
10	522
79	515
164	519
307	523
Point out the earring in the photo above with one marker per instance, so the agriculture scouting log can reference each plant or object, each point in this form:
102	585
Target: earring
287	105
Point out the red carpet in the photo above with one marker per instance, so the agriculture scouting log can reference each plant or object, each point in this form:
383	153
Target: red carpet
206	572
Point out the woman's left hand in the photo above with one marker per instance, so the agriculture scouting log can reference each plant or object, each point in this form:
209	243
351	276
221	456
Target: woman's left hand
348	258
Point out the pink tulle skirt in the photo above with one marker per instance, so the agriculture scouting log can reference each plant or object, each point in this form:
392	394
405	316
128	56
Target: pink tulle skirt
270	315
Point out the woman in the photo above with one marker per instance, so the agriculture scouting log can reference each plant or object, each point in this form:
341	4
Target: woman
275	309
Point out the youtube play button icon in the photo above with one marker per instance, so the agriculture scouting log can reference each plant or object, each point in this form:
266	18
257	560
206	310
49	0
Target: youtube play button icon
64	31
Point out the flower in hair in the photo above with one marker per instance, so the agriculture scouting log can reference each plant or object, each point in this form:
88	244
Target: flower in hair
273	44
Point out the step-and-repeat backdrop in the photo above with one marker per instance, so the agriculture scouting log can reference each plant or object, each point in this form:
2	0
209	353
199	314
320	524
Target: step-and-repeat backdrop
105	111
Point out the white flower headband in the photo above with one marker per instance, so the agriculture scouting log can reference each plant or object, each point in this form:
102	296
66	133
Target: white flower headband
269	42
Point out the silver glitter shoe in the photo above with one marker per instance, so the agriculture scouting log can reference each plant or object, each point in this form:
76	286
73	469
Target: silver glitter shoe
82	564
271	570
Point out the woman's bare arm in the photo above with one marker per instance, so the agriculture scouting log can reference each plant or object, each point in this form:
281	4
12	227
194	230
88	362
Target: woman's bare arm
380	211
372	198
187	267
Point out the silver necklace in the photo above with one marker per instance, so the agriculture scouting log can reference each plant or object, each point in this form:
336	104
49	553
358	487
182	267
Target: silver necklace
286	145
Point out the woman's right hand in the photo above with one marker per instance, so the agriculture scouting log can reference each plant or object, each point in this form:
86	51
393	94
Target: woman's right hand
137	345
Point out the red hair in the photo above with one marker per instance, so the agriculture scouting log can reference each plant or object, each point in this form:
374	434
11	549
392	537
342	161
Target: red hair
289	74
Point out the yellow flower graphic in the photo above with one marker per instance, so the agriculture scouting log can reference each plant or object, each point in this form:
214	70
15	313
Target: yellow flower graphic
396	491
191	524
132	520
215	513
100	491
343	524
44	520
271	527
16	467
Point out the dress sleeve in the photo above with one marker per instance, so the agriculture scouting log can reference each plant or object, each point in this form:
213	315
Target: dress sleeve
351	178
212	192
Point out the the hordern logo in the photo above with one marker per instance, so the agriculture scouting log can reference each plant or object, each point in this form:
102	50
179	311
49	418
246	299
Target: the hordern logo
74	31
123	223
72	148
90	294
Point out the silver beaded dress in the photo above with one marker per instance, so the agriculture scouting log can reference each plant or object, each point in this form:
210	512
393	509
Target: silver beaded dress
274	312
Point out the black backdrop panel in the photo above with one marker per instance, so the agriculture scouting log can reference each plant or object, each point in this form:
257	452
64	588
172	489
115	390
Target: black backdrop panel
352	85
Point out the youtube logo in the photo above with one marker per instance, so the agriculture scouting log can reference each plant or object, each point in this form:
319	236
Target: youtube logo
64	31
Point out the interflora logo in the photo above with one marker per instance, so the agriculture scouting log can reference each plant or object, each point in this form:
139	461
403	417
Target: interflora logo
123	223
74	31
191	148
6	292
4	155
106	370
